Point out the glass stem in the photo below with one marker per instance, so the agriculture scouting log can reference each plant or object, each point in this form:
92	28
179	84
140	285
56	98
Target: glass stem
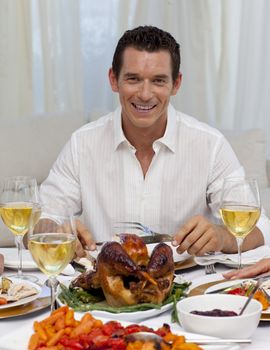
53	286
18	241
239	242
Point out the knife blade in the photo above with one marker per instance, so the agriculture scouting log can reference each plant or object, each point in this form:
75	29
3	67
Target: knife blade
147	239
263	276
156	238
224	289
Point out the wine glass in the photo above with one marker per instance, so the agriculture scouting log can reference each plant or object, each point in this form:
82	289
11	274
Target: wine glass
240	208
20	208
52	245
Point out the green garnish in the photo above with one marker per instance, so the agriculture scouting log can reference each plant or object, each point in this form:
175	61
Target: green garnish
81	300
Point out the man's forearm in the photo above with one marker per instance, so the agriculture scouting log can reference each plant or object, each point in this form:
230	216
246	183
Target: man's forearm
253	240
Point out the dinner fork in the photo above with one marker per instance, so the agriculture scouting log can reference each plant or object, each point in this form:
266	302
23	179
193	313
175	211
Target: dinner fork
135	225
210	268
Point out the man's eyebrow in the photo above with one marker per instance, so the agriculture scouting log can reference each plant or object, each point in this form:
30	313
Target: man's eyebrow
129	74
161	76
158	76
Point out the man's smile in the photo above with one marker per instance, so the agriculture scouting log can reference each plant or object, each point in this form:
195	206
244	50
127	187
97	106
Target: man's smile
143	108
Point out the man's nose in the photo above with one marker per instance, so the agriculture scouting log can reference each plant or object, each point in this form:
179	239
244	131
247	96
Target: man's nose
145	91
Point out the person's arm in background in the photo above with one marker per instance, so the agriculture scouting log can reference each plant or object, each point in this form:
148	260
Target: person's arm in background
262	266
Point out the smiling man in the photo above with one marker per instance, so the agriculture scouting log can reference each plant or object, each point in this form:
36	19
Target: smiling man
147	162
145	85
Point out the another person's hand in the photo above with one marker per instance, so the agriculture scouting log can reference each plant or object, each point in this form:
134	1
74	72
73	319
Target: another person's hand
85	240
260	267
199	236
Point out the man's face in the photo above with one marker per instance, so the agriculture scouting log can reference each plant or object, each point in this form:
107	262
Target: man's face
145	86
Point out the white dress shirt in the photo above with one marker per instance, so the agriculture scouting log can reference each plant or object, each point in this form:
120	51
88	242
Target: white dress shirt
98	176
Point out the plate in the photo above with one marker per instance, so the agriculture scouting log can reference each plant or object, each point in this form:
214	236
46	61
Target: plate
11	259
133	316
33	306
18	340
211	286
40	303
22	301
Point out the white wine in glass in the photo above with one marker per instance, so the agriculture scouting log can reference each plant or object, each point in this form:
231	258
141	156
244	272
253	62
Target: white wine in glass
20	209
52	246
240	208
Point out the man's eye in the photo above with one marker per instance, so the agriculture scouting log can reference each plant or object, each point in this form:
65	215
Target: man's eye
133	79
159	81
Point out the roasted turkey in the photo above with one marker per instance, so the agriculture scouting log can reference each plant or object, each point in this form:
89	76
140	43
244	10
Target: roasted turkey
127	275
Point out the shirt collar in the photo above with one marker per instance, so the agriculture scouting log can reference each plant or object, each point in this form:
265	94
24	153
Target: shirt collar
119	136
169	138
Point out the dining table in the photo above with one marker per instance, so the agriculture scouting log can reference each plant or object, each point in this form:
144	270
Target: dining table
10	326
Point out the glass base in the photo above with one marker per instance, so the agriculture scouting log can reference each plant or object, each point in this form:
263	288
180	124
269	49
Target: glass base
24	277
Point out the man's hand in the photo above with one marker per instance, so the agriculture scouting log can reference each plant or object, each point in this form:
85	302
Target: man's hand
84	241
199	236
260	267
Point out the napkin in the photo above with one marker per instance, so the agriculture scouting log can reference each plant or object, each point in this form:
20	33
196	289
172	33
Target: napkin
248	258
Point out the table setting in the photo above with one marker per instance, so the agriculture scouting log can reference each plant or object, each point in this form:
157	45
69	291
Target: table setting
24	324
196	275
138	280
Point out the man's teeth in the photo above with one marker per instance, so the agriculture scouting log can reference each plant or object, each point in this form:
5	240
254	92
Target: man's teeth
144	108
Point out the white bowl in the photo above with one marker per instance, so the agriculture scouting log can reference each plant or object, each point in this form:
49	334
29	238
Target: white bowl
223	327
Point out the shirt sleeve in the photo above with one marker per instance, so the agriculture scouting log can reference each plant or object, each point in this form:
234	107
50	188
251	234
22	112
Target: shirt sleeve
224	163
61	190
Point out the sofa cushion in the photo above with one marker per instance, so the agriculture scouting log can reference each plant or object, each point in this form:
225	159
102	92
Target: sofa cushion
250	148
29	146
265	200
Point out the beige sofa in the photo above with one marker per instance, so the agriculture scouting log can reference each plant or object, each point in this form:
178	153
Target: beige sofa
250	147
31	146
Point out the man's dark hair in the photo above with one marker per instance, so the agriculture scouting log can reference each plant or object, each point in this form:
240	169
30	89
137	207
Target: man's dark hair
151	39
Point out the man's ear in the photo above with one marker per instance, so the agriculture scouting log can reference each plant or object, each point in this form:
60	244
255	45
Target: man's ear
113	80
177	84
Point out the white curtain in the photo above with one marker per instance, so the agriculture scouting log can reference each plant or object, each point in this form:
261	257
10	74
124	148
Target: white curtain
55	55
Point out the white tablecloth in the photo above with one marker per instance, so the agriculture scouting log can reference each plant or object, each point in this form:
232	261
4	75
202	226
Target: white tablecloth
260	340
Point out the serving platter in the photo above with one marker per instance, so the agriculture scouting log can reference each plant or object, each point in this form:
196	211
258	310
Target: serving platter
19	338
211	286
130	315
134	316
